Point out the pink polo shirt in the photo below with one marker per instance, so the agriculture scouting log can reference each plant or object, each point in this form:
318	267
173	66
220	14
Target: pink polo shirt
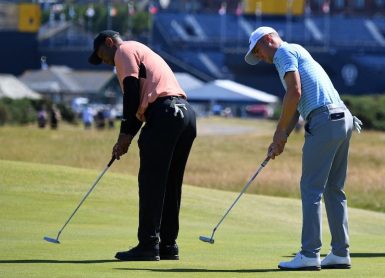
159	80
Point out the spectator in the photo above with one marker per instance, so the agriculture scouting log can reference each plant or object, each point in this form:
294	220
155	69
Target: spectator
87	117
55	117
100	119
42	118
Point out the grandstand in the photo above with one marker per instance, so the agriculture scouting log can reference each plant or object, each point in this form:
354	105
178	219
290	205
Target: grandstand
208	39
351	48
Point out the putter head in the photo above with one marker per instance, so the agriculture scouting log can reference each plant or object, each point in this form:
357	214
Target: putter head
207	239
52	240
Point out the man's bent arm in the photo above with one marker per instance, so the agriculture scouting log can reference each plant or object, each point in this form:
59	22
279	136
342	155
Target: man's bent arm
131	99
289	115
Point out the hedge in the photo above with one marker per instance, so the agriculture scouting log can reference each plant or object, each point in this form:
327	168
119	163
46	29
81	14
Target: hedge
370	109
19	111
24	111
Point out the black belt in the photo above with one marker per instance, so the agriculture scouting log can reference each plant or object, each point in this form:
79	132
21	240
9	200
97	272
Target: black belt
323	109
168	97
160	100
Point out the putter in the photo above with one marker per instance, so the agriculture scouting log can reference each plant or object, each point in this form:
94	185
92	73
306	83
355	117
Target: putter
211	239
56	240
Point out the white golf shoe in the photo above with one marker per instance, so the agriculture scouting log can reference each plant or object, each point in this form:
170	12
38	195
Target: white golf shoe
301	262
333	261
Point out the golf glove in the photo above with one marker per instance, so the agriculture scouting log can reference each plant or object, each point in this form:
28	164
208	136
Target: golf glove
357	124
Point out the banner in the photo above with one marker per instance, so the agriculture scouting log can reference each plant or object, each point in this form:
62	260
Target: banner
29	17
274	7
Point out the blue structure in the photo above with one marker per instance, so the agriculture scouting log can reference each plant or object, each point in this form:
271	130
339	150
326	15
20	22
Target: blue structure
212	46
351	49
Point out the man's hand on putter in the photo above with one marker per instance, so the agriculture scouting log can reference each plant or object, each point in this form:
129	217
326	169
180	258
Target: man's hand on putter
273	151
278	144
122	145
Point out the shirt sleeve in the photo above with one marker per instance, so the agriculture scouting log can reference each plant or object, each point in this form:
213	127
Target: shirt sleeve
287	60
130	123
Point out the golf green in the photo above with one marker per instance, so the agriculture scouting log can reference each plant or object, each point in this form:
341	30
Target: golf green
260	231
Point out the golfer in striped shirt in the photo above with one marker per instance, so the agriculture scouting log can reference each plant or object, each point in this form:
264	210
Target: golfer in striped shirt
329	124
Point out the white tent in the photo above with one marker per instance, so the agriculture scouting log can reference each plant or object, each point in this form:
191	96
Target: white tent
187	81
12	88
229	91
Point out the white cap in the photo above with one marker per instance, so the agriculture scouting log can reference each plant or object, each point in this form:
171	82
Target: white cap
254	38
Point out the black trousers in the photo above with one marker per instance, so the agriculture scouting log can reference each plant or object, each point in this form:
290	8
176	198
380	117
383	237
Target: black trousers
164	143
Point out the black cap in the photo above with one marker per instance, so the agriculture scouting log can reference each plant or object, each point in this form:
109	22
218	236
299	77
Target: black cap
98	41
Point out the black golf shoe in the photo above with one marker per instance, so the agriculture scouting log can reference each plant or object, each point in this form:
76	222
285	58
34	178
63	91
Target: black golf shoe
139	253
169	251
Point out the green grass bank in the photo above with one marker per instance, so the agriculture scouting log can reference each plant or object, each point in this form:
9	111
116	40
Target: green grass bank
36	199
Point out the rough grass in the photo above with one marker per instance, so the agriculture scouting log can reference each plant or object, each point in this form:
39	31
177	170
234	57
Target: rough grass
36	199
218	159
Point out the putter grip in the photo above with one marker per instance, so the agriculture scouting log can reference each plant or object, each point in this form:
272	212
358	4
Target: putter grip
111	161
265	161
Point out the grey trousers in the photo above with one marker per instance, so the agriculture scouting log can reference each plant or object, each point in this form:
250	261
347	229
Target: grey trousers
324	167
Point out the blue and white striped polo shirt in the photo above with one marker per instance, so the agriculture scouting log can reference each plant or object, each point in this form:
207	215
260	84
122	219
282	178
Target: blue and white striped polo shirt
316	86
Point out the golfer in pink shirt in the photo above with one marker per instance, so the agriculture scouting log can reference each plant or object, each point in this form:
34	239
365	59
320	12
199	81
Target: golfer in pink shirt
151	95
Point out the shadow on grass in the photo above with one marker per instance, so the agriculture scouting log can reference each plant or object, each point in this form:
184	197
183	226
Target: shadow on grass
56	262
192	270
352	255
367	255
176	270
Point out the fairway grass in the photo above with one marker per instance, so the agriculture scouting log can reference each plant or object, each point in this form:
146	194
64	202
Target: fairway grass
218	159
36	200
